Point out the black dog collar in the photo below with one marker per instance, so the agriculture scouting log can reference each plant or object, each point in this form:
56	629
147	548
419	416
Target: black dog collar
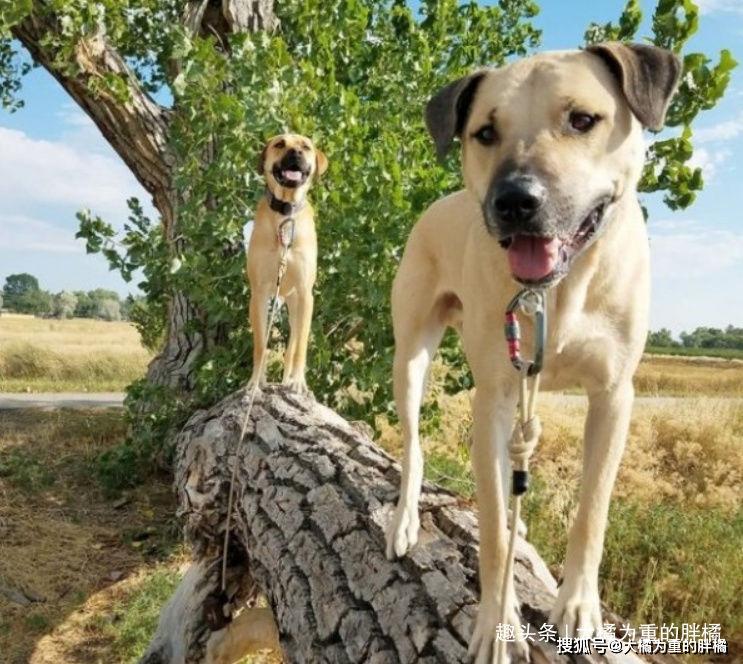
283	207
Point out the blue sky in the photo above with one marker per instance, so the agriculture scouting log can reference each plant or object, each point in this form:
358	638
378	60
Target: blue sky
53	162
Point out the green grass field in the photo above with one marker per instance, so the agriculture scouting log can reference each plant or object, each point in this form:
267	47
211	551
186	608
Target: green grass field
726	353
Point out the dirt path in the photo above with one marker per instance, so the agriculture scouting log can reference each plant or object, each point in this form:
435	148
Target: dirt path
85	567
51	400
73	551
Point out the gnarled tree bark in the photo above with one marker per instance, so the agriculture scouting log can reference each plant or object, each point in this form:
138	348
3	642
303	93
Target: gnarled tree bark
138	131
313	497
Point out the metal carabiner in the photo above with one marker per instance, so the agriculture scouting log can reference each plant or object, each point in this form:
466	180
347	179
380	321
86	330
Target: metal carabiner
533	303
286	236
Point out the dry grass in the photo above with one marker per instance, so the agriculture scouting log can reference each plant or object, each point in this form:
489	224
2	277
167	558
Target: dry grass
688	376
113	623
688	450
684	451
38	355
76	335
102	570
62	540
674	546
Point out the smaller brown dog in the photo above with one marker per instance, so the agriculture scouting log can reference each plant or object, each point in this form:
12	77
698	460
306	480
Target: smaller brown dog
289	162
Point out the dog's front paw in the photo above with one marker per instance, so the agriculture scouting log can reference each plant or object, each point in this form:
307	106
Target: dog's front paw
256	382
402	531
296	385
491	629
577	611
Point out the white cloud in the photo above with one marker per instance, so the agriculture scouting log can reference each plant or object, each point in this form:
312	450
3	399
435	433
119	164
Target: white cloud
40	172
691	250
664	226
723	131
714	6
709	160
22	233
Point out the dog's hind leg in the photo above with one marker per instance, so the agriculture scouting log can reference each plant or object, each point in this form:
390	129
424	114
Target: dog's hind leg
418	330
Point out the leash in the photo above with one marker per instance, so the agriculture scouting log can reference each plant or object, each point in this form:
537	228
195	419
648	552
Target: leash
527	428
286	239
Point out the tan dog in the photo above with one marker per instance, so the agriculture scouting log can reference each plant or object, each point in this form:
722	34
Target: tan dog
289	163
552	150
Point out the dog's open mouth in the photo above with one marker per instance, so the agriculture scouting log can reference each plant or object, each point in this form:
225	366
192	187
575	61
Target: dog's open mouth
290	176
542	261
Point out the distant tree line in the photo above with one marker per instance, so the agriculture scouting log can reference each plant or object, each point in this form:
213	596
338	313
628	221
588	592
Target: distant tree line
702	337
22	294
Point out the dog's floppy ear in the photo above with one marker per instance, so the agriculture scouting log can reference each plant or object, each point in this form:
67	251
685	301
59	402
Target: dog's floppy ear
648	76
447	111
261	165
321	162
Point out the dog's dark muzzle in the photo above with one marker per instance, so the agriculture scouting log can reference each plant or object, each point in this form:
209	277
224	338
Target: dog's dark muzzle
293	169
515	205
294	159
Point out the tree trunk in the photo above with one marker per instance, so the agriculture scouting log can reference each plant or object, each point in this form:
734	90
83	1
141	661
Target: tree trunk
138	131
313	496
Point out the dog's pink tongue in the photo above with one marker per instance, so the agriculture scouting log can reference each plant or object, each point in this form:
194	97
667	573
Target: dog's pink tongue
533	258
294	176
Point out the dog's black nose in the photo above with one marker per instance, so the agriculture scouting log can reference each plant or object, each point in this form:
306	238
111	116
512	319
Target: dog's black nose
292	152
517	199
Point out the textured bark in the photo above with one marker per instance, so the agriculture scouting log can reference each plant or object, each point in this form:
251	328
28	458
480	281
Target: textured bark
313	497
138	131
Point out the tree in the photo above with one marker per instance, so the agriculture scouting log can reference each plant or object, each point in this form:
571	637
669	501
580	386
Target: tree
108	309
110	57
64	305
89	304
712	337
334	595
733	334
663	338
139	311
701	87
231	89
16	287
36	302
104	304
84	307
98	294
127	304
355	76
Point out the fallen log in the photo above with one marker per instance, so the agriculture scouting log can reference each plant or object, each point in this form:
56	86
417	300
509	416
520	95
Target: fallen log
314	495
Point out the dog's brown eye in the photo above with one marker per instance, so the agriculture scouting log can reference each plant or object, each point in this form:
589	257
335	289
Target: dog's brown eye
582	122
486	135
280	145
